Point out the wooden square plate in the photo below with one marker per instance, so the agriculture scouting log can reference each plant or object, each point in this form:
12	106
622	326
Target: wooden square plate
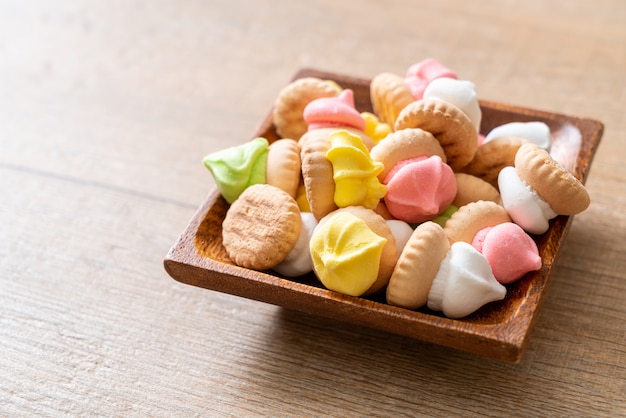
499	330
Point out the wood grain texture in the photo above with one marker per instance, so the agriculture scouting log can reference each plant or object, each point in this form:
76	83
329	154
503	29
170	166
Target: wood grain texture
106	110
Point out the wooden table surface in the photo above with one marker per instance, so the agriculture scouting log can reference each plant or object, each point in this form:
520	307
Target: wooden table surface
106	110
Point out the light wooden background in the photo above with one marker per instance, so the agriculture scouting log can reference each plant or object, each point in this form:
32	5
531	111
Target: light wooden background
106	110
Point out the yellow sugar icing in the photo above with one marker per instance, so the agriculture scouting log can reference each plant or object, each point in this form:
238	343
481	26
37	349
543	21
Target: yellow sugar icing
346	254
354	171
236	168
374	128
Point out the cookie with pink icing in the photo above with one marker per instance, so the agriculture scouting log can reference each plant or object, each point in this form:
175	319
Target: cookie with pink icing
291	101
326	115
334	112
419	189
486	225
420	185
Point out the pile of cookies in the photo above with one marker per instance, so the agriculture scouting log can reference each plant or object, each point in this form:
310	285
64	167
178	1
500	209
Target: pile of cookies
411	200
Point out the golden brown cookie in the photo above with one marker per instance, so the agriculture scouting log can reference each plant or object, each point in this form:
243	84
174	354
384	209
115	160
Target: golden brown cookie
283	165
470	188
417	266
291	101
317	175
261	227
565	194
389	95
493	156
382	210
379	226
452	128
403	145
471	218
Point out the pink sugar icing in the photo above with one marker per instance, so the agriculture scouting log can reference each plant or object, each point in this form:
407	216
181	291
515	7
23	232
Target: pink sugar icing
511	252
419	189
419	75
336	111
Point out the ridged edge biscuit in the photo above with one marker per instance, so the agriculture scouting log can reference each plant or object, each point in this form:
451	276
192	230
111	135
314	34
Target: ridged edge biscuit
471	218
417	266
470	188
261	227
291	101
405	144
452	128
317	175
283	165
389	95
565	194
493	156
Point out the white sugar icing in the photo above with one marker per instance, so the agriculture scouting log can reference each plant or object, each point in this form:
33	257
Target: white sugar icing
464	283
536	132
401	232
525	207
298	261
460	93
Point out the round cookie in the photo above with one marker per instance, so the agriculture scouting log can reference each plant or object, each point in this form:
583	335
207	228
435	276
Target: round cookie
565	194
452	128
405	144
493	156
471	218
389	95
379	226
261	227
291	101
470	188
283	165
317	175
417	266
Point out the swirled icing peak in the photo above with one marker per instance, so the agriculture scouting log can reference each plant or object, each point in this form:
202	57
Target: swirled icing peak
354	171
346	254
336	111
419	189
236	168
419	75
464	283
511	252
